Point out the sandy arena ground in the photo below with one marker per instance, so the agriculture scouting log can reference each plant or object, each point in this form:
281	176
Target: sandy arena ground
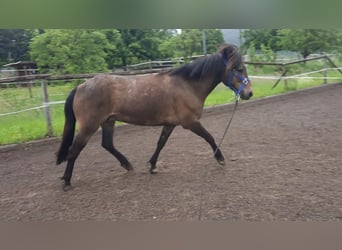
283	162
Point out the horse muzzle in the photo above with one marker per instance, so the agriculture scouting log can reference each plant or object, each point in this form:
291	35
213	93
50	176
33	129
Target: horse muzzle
246	94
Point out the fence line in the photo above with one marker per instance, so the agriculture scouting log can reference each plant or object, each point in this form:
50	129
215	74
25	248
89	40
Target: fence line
298	76
313	72
302	75
17	70
45	104
22	111
293	77
49	77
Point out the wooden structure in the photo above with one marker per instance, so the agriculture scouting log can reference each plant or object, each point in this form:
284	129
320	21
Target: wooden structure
284	70
24	68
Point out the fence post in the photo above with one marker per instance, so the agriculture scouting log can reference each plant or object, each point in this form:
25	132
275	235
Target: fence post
29	84
285	81
46	108
325	72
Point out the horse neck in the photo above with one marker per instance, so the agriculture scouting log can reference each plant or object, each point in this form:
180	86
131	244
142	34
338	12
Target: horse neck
206	86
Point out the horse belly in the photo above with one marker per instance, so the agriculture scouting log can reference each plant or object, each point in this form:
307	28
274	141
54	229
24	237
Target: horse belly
146	114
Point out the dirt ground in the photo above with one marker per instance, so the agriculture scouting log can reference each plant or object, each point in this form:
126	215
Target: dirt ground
283	162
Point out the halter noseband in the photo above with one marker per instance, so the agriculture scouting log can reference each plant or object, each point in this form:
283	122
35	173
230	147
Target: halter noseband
244	81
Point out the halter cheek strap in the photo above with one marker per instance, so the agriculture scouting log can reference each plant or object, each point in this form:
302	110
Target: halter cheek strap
244	81
229	83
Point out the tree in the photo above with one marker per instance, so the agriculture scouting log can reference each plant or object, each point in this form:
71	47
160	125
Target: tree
308	41
113	55
169	48
214	38
141	44
189	43
14	45
261	37
77	51
70	51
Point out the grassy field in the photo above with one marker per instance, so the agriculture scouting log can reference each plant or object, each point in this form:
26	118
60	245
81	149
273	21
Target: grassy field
31	125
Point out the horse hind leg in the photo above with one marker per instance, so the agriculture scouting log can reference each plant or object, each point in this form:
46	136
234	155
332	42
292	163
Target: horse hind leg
107	143
77	146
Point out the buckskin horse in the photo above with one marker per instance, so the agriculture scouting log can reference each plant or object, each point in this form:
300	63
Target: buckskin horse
169	98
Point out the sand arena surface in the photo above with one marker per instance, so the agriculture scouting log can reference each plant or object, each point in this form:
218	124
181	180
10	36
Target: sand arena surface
283	162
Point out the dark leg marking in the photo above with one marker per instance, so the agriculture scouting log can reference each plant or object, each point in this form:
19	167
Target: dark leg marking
76	148
199	130
107	143
164	136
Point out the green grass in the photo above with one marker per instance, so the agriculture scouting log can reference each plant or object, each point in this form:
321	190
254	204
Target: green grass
22	127
261	88
31	125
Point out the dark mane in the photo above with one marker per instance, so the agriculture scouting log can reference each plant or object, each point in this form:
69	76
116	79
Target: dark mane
199	68
210	64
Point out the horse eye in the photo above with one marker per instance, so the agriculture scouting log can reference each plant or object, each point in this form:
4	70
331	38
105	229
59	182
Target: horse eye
239	70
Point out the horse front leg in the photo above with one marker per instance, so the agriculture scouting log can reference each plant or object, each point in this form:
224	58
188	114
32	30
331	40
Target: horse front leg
107	143
165	134
198	129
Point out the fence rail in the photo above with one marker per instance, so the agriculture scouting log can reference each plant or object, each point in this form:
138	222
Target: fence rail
49	77
147	70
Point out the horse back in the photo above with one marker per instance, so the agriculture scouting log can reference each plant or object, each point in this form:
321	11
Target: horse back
141	100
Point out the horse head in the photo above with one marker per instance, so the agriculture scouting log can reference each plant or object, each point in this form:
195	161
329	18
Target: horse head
235	74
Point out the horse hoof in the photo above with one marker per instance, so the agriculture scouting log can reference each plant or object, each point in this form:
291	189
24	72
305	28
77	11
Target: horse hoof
221	162
153	171
67	188
128	167
66	184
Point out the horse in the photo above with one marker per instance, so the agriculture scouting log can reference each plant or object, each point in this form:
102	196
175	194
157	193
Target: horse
169	98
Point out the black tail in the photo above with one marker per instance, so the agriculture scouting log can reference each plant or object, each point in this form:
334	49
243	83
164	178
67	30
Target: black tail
69	128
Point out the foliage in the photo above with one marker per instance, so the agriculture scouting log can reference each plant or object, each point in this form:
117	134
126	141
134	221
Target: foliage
251	51
113	58
266	55
70	51
214	38
189	43
82	51
308	41
138	45
303	41
261	37
79	51
14	45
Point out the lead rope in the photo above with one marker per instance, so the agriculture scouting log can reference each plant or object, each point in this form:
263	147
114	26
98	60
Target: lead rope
237	98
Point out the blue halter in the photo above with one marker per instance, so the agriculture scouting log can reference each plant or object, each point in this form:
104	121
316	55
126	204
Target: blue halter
244	81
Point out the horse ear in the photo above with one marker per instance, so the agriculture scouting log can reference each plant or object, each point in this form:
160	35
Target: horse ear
225	57
226	51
